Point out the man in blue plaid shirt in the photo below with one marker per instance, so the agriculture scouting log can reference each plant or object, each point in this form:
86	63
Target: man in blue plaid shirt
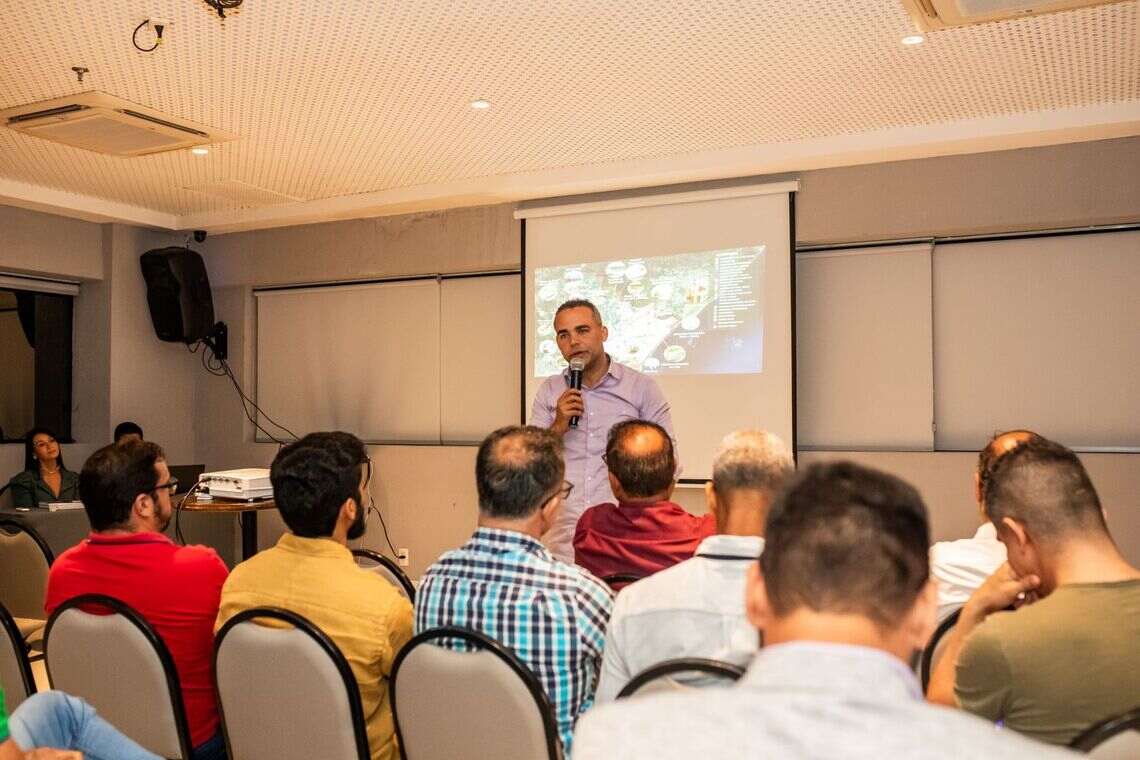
504	583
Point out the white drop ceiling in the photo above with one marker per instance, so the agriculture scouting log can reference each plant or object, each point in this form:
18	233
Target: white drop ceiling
361	107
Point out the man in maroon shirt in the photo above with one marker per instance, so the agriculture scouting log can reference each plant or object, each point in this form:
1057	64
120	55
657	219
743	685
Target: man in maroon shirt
645	531
126	490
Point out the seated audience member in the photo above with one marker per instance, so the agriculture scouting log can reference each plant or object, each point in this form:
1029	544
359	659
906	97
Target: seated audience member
645	531
126	493
319	484
504	583
44	479
51	725
128	431
961	566
696	608
843	597
1056	666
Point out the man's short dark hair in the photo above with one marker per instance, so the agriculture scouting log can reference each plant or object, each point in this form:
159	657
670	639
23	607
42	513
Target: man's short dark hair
1044	486
127	428
641	474
579	303
990	454
313	477
846	539
517	470
113	477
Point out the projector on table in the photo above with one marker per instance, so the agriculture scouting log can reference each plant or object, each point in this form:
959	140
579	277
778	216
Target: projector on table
249	484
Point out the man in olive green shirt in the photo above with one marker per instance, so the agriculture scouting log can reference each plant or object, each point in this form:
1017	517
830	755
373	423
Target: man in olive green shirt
319	485
1070	656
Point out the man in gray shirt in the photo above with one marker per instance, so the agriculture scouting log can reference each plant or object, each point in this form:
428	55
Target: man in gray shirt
843	595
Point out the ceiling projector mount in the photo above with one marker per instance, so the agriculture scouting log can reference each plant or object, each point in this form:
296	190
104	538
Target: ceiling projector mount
221	6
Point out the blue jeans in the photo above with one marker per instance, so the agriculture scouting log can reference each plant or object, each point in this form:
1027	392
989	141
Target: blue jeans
57	720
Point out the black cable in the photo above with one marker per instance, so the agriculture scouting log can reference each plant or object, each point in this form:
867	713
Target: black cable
135	41
237	386
178	513
383	525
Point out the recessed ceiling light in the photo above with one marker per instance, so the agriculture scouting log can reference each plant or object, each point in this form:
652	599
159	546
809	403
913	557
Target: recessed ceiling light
913	39
200	151
480	104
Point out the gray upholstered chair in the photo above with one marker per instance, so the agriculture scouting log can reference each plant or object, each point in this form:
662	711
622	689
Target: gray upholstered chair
24	563
387	569
132	682
285	691
681	673
479	704
15	670
1117	738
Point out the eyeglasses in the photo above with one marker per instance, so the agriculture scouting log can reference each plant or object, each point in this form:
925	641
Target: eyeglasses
171	484
564	492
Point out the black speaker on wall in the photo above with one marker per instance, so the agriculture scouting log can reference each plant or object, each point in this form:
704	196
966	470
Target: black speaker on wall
178	294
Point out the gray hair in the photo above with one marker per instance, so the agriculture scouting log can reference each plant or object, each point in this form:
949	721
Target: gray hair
751	459
580	303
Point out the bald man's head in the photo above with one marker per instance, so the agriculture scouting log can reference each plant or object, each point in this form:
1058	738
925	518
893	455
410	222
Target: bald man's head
517	470
639	454
1000	444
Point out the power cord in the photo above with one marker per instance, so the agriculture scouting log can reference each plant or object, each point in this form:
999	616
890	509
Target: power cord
158	29
221	368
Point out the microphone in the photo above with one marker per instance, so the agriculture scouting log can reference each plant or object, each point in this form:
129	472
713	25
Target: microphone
576	367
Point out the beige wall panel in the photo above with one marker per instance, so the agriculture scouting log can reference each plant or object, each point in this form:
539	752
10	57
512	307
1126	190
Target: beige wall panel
460	240
1070	185
45	244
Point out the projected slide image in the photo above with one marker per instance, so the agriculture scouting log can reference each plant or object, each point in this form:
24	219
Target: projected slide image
689	313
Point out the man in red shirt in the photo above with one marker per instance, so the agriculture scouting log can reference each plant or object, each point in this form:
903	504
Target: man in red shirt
126	490
645	531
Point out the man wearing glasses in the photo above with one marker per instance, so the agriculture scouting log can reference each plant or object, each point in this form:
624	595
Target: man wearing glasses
126	492
506	584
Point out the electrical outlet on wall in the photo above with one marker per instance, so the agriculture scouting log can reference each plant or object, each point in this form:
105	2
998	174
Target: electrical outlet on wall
402	557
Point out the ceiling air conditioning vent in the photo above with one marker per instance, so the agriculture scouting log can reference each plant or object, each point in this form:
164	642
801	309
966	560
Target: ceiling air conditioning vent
103	123
931	15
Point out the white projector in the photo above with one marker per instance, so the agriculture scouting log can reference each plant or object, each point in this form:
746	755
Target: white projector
250	483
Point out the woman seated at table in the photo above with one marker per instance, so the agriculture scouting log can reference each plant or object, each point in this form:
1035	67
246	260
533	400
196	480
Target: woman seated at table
44	479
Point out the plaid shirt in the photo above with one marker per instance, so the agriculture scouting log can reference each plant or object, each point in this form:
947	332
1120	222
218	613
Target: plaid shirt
552	615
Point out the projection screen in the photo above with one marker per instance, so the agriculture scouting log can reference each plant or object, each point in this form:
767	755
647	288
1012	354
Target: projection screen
696	290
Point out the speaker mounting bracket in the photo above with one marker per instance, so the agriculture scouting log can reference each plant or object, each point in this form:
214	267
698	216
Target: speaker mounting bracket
219	341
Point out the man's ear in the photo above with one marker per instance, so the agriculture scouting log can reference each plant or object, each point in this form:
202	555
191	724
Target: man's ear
1012	530
348	511
756	605
550	509
920	622
605	333
615	486
978	488
143	507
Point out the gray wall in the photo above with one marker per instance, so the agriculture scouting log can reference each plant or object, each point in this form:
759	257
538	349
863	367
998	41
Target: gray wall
427	493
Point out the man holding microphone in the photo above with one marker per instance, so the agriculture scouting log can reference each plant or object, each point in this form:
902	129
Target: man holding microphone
610	392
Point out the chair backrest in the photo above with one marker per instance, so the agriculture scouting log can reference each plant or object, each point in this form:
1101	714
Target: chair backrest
386	568
285	690
666	675
479	704
937	645
117	662
24	563
15	670
1117	738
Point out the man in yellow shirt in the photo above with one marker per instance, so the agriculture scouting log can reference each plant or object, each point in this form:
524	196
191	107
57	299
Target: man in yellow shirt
319	484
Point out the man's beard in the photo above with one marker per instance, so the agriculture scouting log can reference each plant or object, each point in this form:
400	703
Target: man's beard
356	530
165	519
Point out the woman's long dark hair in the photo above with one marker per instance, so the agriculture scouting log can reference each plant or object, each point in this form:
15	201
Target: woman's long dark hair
30	461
